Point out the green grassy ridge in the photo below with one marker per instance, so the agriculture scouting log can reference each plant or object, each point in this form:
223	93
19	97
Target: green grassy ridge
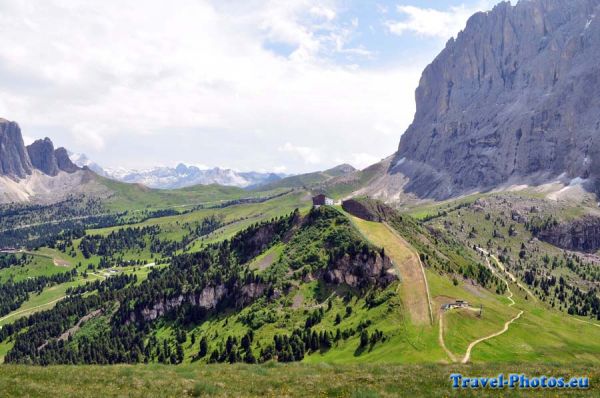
560	337
343	186
43	264
307	180
281	316
277	380
410	344
139	197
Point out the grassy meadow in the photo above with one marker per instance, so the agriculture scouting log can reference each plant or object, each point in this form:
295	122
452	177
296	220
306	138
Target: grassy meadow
278	380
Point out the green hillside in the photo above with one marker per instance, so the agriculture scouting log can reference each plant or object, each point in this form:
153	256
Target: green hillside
312	286
309	180
273	380
138	197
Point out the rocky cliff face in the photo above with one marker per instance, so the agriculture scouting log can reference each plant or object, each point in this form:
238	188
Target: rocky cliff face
41	153
207	299
18	161
361	271
369	210
514	97
579	235
63	161
14	160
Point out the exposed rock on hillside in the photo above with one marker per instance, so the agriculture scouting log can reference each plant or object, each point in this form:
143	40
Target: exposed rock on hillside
370	210
63	162
41	153
514	97
579	235
361	270
33	173
14	160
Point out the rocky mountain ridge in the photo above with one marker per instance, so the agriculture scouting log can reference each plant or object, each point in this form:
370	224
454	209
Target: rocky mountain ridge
581	234
513	98
18	161
182	175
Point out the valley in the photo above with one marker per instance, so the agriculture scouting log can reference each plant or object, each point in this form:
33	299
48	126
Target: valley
454	252
411	321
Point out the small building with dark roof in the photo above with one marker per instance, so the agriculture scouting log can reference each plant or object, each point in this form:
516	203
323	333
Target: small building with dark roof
322	200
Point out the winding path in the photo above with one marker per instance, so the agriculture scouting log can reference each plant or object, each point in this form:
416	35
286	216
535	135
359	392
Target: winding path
473	344
509	296
510	275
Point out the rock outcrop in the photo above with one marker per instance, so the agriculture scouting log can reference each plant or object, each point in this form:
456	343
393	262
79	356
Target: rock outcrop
207	299
361	270
367	209
18	161
14	159
513	98
63	161
41	153
579	235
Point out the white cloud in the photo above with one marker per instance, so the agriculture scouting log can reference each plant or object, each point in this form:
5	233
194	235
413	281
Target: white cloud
307	154
138	83
28	140
362	160
89	136
322	11
434	23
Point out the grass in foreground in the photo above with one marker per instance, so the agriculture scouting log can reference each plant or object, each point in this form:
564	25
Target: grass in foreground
274	380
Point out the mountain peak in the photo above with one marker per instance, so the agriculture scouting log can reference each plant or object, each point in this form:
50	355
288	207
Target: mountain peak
41	153
181	168
182	175
18	161
63	161
14	159
514	97
344	168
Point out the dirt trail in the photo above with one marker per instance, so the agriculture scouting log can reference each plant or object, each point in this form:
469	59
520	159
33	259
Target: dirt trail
510	293
512	277
422	267
506	271
473	344
60	263
589	323
71	331
32	308
442	342
509	296
414	287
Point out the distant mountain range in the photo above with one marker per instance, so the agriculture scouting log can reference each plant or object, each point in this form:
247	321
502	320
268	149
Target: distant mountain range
181	176
20	161
39	173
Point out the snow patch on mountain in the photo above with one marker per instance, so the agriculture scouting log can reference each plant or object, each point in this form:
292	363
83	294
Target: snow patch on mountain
180	176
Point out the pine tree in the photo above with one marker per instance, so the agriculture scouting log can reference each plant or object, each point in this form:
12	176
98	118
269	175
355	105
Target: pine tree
364	339
203	348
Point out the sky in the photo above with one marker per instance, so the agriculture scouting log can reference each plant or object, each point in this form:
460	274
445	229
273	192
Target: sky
289	86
